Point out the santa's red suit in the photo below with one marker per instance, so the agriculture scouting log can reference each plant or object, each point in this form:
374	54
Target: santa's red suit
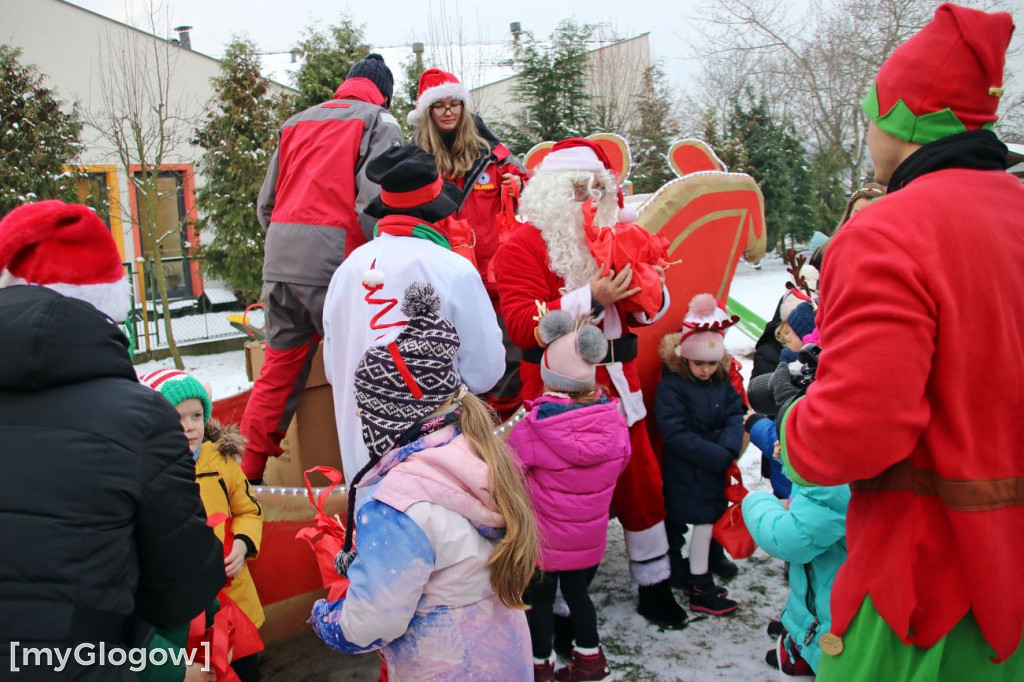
525	279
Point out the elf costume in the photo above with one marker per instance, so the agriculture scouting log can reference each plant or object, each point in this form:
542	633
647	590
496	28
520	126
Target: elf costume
918	393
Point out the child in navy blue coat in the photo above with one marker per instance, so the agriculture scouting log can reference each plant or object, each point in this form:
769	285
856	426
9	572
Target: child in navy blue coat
700	417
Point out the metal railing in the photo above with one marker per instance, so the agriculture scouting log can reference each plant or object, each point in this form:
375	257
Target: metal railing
193	318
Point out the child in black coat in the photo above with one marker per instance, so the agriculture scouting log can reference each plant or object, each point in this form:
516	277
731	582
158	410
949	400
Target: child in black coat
700	417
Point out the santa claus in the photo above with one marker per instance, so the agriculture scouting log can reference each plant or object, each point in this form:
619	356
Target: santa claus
546	264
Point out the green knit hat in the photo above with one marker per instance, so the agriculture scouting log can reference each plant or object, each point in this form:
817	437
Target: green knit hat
178	387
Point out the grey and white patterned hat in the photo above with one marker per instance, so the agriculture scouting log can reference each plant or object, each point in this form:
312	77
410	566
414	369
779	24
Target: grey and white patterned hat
401	383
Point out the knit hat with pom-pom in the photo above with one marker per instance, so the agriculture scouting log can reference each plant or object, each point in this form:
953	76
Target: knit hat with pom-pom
377	72
573	347
401	383
704	330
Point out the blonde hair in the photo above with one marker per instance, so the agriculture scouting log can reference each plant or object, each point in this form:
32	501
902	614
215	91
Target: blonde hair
456	161
782	330
515	557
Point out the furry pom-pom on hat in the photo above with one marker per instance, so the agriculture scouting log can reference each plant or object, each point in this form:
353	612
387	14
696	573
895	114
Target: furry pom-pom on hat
573	348
554	324
420	299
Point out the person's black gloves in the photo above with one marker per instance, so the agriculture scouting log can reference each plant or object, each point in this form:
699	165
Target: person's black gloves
783	391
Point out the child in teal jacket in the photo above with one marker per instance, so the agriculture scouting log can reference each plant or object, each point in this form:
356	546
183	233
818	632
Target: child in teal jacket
811	536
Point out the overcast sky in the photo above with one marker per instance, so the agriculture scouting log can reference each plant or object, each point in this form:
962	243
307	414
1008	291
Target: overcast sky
277	25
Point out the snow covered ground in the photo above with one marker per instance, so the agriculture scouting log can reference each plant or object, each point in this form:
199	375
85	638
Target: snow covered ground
723	648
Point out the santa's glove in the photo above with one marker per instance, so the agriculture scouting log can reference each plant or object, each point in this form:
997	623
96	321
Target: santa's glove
783	391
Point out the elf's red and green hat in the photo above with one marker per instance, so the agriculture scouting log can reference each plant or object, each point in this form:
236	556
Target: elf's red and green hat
946	79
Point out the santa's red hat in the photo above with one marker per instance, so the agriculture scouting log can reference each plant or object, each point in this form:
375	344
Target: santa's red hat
436	85
67	248
581	154
946	79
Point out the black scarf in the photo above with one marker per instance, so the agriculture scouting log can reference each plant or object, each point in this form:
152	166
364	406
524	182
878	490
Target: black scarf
975	150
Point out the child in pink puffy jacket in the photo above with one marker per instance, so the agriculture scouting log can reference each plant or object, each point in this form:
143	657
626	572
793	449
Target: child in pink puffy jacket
573	445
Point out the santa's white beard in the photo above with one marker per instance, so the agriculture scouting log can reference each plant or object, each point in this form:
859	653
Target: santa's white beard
549	203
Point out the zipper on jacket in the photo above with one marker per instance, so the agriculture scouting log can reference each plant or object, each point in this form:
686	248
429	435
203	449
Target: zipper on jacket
809	600
474	174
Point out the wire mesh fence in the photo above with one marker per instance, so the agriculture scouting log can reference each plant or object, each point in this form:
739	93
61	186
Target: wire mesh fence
198	311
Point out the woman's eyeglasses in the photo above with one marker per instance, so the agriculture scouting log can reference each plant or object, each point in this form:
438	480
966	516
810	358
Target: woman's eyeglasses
442	109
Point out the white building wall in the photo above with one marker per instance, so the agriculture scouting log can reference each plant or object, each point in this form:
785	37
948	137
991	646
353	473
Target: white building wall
615	78
93	61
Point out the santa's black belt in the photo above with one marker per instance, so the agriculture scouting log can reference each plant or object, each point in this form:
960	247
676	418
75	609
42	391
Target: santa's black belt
619	350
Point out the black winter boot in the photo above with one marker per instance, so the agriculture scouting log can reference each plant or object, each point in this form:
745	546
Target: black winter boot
680	572
659	606
563	636
707	598
719	563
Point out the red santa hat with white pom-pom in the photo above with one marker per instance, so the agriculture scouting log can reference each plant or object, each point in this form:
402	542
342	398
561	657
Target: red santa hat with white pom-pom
581	154
704	330
436	85
67	248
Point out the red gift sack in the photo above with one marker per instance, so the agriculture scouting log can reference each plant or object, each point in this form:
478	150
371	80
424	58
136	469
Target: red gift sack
327	534
628	243
731	530
505	223
461	237
233	635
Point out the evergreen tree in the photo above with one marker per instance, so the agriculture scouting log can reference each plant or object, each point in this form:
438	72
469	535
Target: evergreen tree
655	130
239	137
38	137
326	59
552	86
404	99
776	160
828	195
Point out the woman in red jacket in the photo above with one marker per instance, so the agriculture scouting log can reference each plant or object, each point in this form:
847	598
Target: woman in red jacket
469	155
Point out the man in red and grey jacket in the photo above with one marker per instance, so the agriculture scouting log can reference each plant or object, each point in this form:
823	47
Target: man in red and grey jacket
311	205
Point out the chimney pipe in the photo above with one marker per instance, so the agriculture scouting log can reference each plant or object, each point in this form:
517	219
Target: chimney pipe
183	38
516	29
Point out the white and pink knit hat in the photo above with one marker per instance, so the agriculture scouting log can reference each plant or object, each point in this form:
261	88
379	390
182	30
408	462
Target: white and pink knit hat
436	85
704	330
67	248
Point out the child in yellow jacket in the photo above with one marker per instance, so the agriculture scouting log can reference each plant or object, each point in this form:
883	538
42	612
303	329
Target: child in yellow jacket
222	487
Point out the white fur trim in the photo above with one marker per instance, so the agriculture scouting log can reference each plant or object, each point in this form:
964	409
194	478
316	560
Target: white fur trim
628	214
644	319
646	544
571	159
652	572
631	403
113	299
436	94
577	302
